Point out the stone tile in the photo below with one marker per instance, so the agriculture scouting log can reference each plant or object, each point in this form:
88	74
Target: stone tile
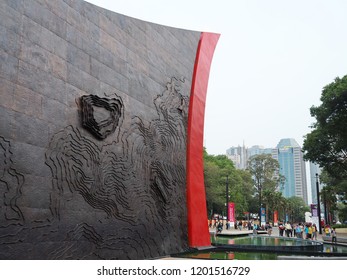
6	93
54	112
78	58
9	41
28	102
29	159
9	16
6	119
8	66
48	40
30	130
41	82
44	17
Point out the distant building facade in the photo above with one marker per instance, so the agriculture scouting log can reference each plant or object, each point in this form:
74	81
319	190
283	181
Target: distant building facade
292	167
238	155
290	158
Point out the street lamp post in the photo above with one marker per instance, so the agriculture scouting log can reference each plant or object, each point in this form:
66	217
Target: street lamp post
227	198
318	205
326	216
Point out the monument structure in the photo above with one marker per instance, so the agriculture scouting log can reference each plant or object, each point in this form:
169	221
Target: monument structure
101	132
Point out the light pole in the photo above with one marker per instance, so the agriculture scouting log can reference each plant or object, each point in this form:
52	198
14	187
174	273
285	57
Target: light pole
318	205
326	215
227	198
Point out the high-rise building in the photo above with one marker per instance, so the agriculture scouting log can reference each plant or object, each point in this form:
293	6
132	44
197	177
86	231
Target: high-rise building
258	150
238	155
292	167
290	158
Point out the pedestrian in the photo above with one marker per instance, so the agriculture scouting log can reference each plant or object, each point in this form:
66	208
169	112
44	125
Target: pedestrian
269	229
309	231
288	229
333	235
281	229
249	225
314	232
240	225
219	227
327	230
294	229
306	230
298	231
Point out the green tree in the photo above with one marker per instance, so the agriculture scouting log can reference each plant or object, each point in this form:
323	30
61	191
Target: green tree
326	144
216	170
334	196
296	208
266	179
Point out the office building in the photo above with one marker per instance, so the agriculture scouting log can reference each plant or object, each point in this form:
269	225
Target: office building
292	167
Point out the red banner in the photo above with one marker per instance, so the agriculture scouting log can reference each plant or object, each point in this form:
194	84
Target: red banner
231	211
275	217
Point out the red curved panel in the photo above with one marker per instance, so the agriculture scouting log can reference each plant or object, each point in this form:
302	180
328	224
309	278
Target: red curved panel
198	232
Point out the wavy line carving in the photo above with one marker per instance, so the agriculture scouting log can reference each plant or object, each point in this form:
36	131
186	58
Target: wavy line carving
11	183
137	181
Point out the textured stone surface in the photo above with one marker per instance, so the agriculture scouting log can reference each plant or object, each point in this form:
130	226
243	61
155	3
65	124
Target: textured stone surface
65	191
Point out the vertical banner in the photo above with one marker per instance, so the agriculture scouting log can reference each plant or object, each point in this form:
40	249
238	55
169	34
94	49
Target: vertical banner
262	217
231	212
314	215
275	218
314	210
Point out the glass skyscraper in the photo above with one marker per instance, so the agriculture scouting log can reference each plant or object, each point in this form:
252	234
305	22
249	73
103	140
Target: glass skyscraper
292	167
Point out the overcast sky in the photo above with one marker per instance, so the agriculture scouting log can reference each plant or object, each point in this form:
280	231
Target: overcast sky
269	67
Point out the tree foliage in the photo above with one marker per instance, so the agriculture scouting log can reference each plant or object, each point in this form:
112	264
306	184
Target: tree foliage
326	144
334	196
264	171
243	188
216	170
296	208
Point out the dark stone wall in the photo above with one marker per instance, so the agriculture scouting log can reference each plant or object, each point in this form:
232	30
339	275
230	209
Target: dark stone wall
93	119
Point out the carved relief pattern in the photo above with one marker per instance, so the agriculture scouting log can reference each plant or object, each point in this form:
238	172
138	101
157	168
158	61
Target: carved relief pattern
123	198
11	183
109	110
140	189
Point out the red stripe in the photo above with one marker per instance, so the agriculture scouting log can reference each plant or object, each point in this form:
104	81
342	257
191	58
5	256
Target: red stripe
198	232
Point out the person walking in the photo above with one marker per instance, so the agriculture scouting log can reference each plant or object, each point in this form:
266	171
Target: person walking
333	235
240	225
327	230
309	231
298	231
281	229
314	232
288	229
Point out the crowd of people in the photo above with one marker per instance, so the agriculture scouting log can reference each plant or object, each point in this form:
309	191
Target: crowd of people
220	224
305	230
298	230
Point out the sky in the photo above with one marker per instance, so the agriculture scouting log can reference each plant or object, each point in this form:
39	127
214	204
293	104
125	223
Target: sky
270	65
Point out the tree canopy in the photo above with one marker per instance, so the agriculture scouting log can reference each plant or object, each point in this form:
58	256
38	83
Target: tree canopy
243	188
326	144
266	178
216	170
